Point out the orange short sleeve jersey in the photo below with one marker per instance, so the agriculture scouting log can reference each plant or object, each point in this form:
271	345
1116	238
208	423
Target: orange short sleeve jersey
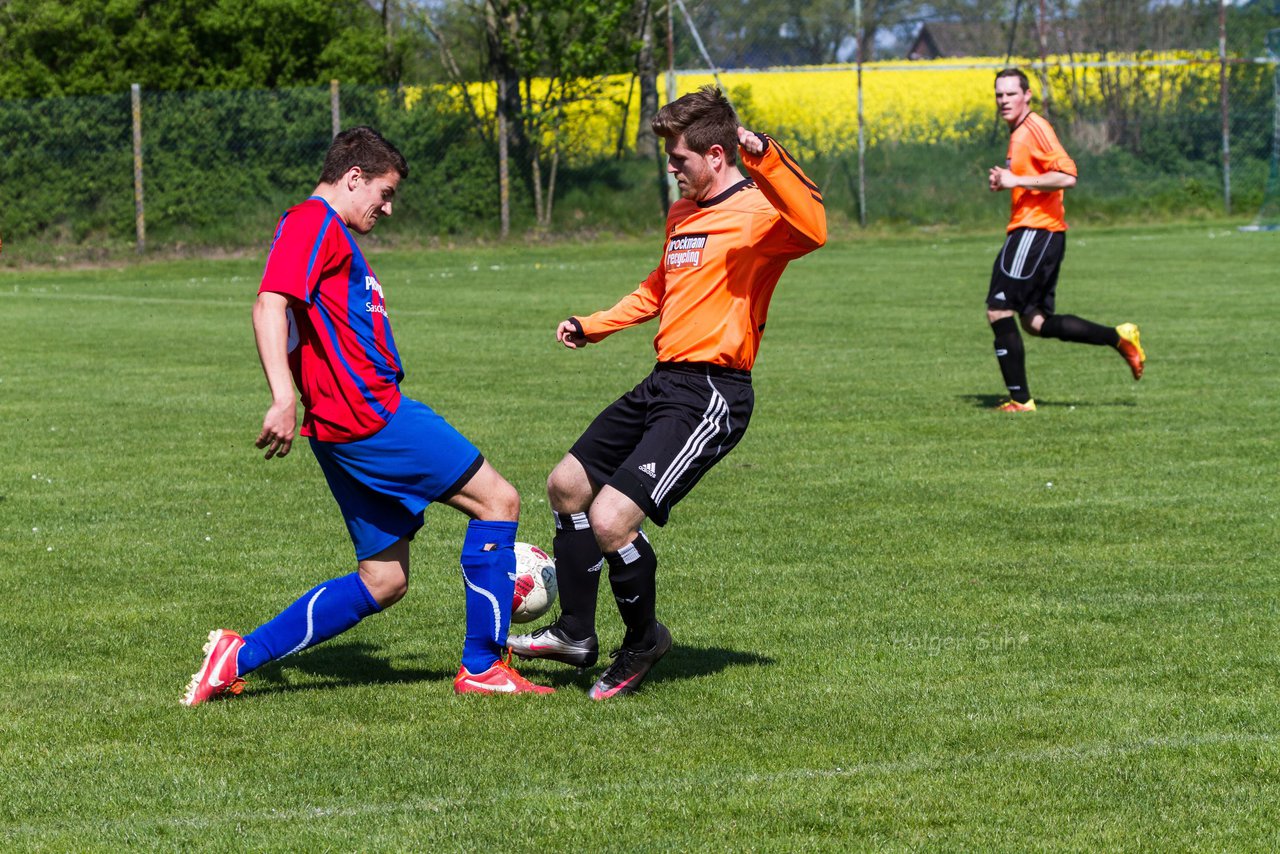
720	264
1034	149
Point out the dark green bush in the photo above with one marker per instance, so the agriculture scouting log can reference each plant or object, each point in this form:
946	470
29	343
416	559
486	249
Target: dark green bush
220	167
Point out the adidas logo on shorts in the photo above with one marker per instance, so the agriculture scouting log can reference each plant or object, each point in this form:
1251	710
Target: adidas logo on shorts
649	469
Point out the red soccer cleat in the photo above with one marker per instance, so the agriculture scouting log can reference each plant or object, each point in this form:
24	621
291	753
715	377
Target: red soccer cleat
1015	406
217	675
501	678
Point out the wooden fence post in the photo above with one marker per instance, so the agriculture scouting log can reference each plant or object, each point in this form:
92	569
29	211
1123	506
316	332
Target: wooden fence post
1224	105
139	214
504	175
334	109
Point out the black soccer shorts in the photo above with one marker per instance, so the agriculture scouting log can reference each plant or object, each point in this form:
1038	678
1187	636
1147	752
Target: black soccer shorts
1024	277
658	440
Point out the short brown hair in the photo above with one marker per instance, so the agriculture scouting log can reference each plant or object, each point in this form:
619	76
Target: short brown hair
1015	72
364	147
704	118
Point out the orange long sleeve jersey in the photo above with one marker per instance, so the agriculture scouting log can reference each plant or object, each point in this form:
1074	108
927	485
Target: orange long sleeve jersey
721	263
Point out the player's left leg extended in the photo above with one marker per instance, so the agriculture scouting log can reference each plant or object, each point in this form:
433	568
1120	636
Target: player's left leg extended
329	609
1123	338
324	611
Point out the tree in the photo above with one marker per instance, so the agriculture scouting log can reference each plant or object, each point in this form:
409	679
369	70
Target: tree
83	47
546	55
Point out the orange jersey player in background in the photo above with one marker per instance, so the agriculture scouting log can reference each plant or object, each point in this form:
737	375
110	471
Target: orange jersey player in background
1036	172
728	239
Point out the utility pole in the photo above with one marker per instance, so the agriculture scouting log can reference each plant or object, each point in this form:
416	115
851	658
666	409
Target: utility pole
1046	92
668	180
862	130
1224	103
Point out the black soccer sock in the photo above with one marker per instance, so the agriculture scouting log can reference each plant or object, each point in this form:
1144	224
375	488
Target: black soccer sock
1011	357
1068	327
578	563
633	573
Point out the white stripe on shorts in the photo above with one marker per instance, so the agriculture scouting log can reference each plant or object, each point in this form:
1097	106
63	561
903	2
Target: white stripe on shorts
713	419
1020	258
1025	245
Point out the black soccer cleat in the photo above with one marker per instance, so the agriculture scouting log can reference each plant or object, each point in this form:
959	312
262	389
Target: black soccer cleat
630	666
551	643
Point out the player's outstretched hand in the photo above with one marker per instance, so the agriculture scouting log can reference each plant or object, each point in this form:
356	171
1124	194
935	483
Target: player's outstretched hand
277	430
750	141
568	335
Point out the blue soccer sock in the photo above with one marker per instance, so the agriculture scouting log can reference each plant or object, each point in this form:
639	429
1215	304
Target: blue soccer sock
324	611
489	576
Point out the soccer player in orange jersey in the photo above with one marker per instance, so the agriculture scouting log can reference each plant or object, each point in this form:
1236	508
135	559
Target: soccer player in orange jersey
728	240
1036	171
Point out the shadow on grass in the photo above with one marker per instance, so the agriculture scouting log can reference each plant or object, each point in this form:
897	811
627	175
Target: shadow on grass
348	664
339	665
690	662
682	662
991	401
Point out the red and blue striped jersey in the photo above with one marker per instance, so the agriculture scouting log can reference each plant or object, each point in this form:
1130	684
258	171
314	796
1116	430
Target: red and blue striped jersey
341	351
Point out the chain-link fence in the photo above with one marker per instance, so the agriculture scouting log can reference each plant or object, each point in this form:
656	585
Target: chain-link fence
218	167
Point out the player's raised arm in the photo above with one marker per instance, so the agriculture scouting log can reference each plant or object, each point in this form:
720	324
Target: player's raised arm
751	142
787	188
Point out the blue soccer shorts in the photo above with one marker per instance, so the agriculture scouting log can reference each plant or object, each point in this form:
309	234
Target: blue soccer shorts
383	483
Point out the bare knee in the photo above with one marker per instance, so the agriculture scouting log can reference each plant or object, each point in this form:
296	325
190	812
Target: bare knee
615	520
568	487
487	496
501	503
1033	323
611	533
387	582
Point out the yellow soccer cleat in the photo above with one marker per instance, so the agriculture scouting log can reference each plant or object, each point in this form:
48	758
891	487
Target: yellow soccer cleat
1014	406
1131	348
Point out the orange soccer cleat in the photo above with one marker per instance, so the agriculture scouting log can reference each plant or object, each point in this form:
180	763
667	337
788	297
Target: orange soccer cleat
1130	347
501	678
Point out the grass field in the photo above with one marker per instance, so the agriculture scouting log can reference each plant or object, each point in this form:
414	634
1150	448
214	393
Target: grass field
901	621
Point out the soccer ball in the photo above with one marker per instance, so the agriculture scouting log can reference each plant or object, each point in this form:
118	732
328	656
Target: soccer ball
535	584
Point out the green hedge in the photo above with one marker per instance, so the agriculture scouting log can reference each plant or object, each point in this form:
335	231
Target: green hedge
221	166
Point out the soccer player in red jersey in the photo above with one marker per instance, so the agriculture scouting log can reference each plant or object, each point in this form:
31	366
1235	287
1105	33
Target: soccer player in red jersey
728	240
321	323
1024	278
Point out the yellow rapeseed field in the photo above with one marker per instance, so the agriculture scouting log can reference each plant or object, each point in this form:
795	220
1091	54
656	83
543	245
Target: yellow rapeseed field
814	110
